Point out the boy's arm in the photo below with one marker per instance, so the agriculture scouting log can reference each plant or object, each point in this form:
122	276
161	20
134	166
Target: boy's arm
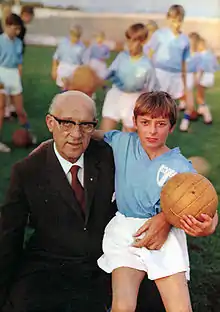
20	69
98	135
55	64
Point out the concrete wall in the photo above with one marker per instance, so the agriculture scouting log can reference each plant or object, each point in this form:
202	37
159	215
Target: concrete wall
53	24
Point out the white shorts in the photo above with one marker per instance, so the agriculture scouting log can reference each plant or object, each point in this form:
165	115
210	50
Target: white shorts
172	258
207	80
64	70
119	106
171	83
11	80
99	67
190	81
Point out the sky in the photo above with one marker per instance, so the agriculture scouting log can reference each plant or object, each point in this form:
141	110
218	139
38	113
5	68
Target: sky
206	8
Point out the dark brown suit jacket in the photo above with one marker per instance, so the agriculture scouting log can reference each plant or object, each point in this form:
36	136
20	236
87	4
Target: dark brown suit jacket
57	271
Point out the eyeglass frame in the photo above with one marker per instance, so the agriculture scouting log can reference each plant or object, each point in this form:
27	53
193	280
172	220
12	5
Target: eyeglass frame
60	121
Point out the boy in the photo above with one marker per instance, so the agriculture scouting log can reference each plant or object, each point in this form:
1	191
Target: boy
10	73
207	67
169	50
143	164
68	56
97	54
151	27
132	73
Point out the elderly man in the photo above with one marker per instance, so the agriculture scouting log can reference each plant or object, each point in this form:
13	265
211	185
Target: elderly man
65	191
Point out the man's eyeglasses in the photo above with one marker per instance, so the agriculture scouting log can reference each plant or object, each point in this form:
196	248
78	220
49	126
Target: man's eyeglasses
69	125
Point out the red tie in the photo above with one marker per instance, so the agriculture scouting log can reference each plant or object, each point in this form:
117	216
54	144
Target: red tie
77	187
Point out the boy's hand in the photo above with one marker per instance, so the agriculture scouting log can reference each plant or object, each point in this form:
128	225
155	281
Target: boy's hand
202	226
156	232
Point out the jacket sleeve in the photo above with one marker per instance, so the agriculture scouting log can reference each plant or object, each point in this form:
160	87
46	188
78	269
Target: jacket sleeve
13	219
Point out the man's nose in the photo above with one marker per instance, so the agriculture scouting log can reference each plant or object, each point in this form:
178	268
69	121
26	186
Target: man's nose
76	131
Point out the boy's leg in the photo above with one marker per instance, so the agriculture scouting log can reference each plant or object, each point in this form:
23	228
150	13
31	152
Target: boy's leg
125	287
203	108
22	115
184	125
3	148
175	293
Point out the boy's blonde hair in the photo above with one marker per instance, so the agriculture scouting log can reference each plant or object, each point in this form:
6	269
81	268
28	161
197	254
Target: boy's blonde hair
136	32
175	11
156	104
195	38
76	30
151	26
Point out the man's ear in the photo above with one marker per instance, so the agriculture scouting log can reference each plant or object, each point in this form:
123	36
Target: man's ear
50	122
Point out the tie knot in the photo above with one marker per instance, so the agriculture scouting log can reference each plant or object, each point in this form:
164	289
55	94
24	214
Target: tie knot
74	170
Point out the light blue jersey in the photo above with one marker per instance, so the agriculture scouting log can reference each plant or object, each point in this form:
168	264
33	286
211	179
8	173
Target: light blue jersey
138	180
97	51
70	53
208	62
170	51
10	51
192	62
133	75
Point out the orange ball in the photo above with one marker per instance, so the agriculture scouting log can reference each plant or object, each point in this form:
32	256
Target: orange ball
188	194
84	79
21	138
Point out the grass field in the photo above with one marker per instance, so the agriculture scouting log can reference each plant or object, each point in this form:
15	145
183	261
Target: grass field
201	140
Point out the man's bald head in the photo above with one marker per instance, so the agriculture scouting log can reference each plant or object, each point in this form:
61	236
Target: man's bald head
72	100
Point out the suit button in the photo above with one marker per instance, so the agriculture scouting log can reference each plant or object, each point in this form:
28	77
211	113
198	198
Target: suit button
85	229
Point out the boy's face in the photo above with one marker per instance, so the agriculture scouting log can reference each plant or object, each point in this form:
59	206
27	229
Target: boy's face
73	37
134	47
27	18
13	30
175	22
153	132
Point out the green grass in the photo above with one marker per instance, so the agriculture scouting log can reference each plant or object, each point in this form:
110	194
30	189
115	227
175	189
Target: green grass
201	140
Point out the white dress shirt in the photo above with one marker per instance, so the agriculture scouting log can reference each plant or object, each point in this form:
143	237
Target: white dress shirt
66	165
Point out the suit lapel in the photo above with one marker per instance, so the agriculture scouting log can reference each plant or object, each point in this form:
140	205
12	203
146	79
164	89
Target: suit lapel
91	172
59	182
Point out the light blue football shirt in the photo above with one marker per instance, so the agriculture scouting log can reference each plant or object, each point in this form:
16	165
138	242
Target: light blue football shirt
70	53
170	51
97	51
10	51
208	62
134	74
192	62
138	180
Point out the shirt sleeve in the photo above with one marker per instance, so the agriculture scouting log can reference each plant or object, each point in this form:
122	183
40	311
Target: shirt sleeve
20	52
186	52
56	55
152	83
112	137
113	67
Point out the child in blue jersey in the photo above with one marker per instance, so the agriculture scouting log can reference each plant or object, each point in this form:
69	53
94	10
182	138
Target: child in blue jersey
207	67
143	165
11	58
132	73
97	54
68	56
151	27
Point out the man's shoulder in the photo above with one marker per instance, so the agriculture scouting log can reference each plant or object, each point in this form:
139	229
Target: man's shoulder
100	148
34	162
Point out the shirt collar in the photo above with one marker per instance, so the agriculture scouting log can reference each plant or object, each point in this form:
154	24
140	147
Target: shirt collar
65	164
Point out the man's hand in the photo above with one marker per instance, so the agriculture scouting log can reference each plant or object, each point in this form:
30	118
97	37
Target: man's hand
202	226
156	232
